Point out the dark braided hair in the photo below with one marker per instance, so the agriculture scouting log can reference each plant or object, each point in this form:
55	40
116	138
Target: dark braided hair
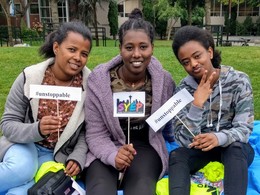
136	22
194	33
46	50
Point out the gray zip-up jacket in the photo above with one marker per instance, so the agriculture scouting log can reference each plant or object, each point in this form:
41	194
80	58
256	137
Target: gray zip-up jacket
230	115
19	122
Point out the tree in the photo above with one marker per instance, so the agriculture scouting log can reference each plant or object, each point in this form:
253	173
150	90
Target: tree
5	6
113	18
24	7
254	3
188	5
89	9
148	11
167	12
207	12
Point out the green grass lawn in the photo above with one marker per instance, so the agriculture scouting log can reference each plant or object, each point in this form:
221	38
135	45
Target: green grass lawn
246	59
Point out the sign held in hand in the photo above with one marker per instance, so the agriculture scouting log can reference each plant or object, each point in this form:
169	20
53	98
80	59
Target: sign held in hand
169	109
55	92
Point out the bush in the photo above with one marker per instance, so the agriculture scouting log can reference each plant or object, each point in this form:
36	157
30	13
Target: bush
249	25
258	26
240	28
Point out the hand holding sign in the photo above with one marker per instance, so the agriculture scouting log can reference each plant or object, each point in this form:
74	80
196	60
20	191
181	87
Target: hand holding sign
127	104
49	124
169	110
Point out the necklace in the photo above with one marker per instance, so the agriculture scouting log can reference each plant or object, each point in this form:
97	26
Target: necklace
57	81
139	83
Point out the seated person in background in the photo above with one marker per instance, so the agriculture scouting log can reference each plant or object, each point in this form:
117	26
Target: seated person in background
31	126
145	159
220	117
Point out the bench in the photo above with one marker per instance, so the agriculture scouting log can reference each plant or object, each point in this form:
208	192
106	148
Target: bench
101	34
232	42
16	32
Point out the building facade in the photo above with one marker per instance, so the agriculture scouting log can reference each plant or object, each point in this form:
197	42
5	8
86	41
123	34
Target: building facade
54	11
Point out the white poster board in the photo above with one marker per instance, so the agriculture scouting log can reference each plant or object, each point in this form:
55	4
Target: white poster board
129	104
55	92
169	109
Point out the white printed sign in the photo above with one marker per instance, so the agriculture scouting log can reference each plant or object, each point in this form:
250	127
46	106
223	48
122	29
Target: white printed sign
129	104
55	92
169	109
78	189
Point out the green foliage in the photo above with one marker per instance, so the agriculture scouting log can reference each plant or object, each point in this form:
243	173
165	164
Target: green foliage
240	28
198	15
113	18
258	26
230	26
148	10
249	25
161	27
254	3
152	15
191	13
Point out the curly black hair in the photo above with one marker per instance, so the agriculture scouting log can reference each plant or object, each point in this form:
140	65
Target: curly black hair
194	33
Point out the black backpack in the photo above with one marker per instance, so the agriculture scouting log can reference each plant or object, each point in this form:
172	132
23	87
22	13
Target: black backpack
51	183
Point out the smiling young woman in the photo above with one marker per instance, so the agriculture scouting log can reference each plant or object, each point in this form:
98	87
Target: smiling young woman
221	115
39	130
145	159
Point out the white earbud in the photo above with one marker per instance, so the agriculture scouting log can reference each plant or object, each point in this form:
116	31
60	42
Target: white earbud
210	125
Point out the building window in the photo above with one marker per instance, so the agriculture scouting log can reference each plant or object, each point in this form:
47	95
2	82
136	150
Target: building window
44	3
121	9
17	8
45	11
34	9
62	11
215	8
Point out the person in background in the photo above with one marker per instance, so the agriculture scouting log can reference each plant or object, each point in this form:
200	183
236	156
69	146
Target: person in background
219	120
145	159
40	130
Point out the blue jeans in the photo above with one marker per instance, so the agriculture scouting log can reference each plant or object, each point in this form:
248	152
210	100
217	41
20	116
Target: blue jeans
185	161
19	167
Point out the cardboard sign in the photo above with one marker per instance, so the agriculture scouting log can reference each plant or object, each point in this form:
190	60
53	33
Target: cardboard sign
129	104
169	109
55	92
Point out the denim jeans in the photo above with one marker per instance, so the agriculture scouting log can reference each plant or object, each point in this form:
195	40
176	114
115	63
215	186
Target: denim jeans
185	161
19	166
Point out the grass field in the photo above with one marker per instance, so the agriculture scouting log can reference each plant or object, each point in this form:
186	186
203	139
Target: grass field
246	59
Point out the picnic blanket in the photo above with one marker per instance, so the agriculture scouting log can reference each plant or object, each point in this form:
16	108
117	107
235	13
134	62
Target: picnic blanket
199	178
204	183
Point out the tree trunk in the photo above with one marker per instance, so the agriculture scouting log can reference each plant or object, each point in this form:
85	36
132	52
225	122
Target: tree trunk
95	24
172	22
54	13
207	12
190	12
5	7
10	32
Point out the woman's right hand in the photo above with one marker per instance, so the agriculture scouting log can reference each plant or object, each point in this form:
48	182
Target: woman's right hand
203	90
50	124
124	156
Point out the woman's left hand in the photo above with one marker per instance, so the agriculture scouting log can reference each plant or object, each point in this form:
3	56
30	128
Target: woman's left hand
205	141
72	168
